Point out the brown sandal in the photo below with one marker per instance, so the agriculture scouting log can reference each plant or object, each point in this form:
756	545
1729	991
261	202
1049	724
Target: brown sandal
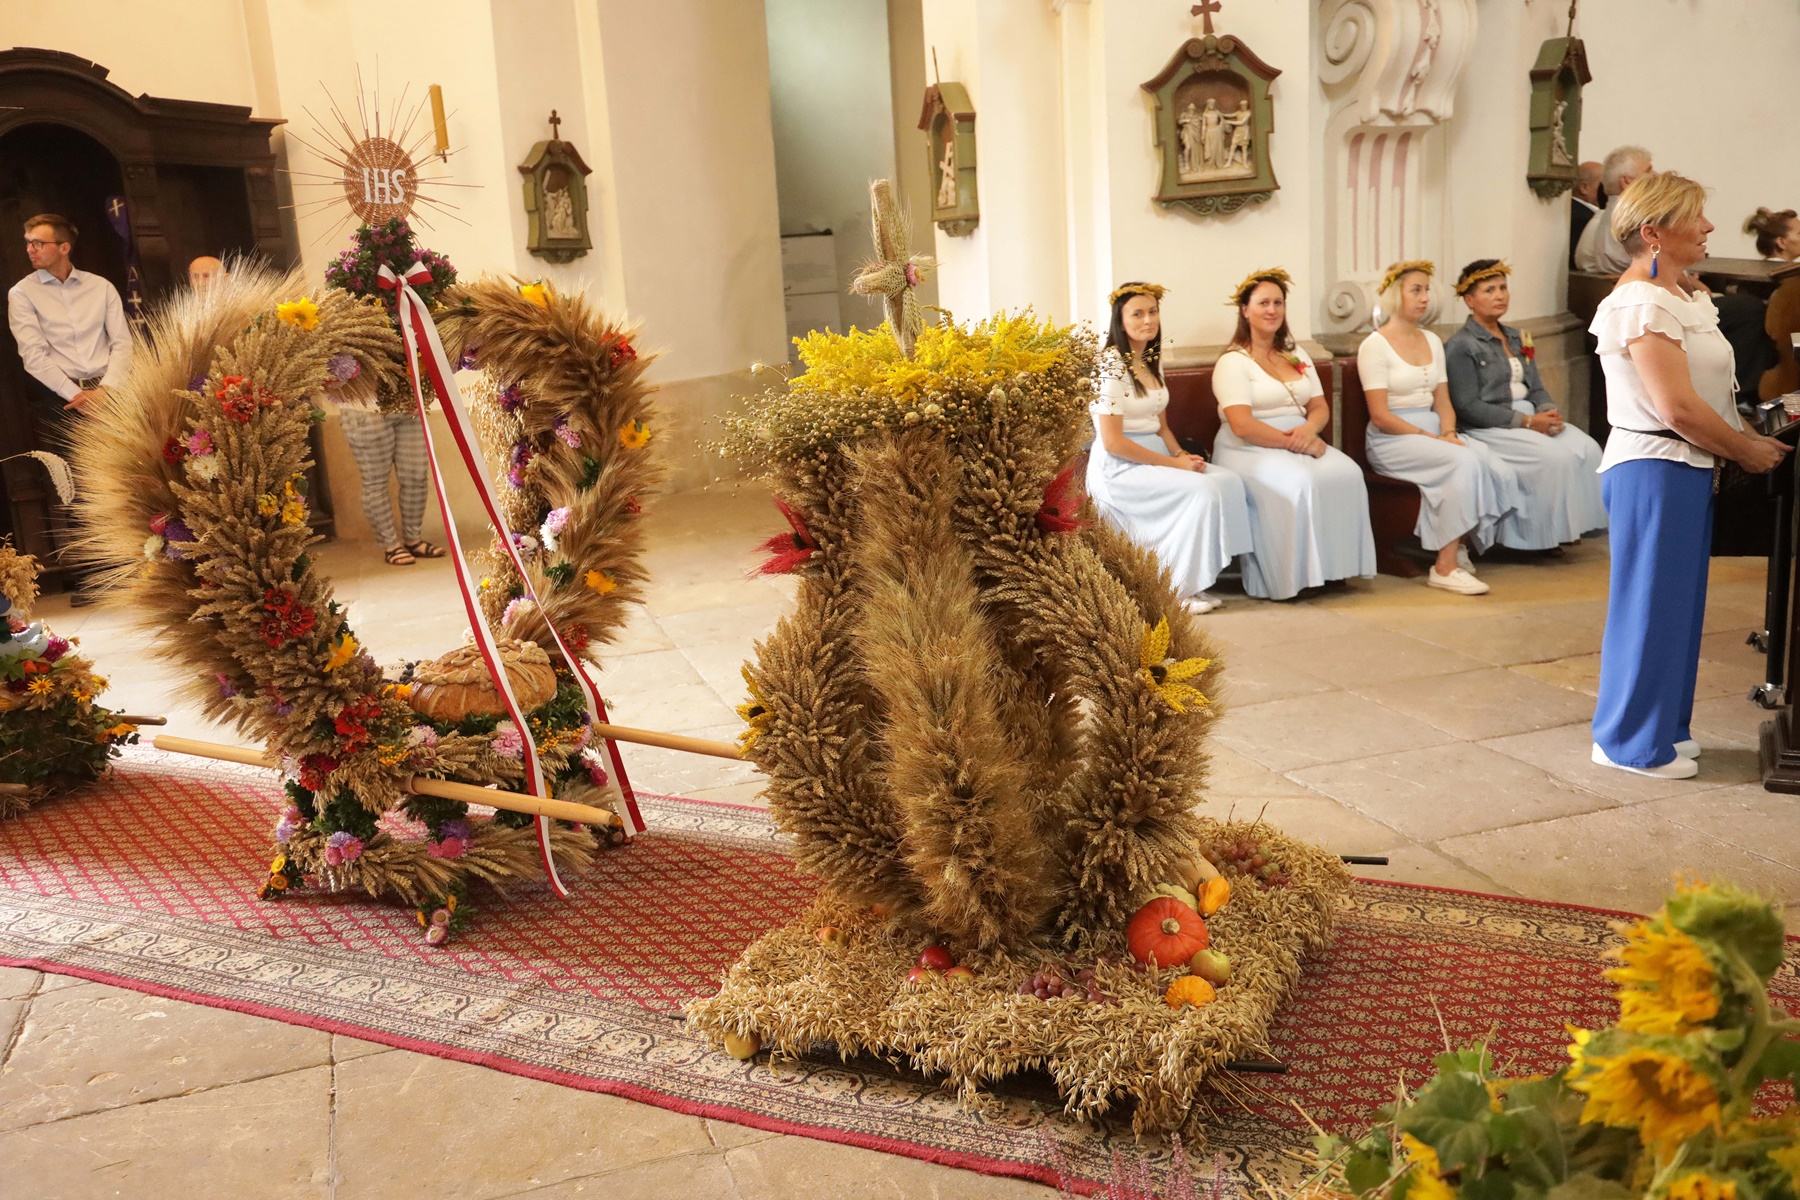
399	556
424	549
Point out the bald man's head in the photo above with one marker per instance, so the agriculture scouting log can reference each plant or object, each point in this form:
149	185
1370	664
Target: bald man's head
1587	181
203	270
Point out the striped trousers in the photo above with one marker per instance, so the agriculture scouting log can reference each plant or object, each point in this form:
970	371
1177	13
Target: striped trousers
384	443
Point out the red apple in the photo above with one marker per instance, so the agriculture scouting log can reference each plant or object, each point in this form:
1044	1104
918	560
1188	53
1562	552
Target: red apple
959	974
918	975
936	958
830	935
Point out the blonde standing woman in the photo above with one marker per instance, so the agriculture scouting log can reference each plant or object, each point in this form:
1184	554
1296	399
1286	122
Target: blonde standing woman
1669	396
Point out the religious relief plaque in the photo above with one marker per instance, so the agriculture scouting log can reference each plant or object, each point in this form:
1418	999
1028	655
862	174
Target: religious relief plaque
1214	120
1556	81
556	205
949	124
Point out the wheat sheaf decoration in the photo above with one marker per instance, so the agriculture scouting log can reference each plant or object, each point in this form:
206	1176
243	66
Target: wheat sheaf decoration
197	516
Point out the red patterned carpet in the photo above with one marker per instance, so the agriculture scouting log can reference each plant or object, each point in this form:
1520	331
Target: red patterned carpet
148	881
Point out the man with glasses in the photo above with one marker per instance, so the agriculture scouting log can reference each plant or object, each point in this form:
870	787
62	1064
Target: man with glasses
71	332
69	325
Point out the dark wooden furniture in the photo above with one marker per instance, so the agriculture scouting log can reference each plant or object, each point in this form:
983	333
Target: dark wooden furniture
1780	637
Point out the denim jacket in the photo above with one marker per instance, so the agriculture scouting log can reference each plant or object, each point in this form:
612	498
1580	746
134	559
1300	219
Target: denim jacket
1481	381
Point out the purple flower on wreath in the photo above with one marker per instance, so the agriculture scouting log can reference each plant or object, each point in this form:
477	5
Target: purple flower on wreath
283	708
227	689
455	828
521	457
343	367
511	398
197	383
342	847
288	825
567	434
176	531
199	443
508	741
555	520
54	649
468	360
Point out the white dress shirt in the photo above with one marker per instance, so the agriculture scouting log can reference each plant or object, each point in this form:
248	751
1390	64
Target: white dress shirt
69	329
1598	251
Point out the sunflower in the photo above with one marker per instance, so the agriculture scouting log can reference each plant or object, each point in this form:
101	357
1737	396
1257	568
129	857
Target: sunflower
1165	675
634	435
755	712
1666	982
537	293
1701	1185
1788	1159
600	582
1425	1172
342	652
1661	1095
301	313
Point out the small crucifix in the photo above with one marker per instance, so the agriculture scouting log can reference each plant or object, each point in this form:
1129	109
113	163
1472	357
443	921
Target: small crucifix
555	133
1205	9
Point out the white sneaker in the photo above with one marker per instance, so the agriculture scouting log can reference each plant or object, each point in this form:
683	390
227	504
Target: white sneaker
1688	749
1458	581
1463	561
1200	605
1680	768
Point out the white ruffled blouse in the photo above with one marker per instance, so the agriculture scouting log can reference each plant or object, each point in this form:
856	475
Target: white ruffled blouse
1638	308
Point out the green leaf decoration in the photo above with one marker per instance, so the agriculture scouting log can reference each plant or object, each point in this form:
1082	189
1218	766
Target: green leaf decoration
1590	1187
1451	1116
1734	921
1367	1170
1781	1061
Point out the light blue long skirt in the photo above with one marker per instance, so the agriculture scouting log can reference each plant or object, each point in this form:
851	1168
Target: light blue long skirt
1195	522
1463	490
1309	517
1557	497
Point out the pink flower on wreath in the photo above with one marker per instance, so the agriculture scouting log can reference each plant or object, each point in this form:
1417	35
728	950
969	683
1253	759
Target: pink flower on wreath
596	767
289	824
54	649
342	847
422	736
450	847
508	741
912	275
199	443
567	434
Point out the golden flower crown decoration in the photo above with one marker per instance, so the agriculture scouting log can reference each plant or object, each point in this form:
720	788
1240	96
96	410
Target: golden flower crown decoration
1466	282
1155	290
1275	275
1400	268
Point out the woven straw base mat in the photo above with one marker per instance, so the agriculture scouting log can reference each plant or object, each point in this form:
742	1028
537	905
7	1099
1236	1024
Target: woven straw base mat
148	881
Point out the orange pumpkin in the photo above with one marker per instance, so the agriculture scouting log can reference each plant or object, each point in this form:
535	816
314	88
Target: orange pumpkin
1190	991
1165	933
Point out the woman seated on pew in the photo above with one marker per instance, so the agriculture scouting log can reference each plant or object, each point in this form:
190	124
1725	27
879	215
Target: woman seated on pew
1500	402
1412	433
1777	234
1309	510
1189	512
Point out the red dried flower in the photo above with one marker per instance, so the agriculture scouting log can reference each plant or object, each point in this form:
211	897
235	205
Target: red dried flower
788	551
174	451
313	770
576	638
285	619
1062	501
623	352
352	720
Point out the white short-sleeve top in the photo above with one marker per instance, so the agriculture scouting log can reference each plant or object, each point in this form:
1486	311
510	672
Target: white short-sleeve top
1638	308
1114	396
1240	381
1379	366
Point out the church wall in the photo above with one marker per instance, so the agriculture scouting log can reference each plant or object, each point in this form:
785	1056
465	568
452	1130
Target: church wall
1707	86
834	128
196	50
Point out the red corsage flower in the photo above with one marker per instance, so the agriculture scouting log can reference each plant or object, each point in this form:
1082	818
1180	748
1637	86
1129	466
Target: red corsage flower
788	551
1062	503
623	352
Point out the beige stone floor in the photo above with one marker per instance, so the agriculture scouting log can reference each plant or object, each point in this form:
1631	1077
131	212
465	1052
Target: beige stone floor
1447	733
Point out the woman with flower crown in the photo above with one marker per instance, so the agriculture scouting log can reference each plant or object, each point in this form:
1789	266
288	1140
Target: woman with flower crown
1413	435
1500	402
1309	509
1191	513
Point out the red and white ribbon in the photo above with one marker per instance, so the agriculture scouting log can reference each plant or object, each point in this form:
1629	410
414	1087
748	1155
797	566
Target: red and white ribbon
419	334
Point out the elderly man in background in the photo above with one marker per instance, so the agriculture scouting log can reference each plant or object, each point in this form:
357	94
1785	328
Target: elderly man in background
203	270
1599	252
1588	198
69	325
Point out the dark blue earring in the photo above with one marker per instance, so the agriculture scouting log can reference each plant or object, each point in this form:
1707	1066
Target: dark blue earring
1655	253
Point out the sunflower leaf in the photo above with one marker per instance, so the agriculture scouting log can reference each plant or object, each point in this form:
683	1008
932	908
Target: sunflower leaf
1451	1116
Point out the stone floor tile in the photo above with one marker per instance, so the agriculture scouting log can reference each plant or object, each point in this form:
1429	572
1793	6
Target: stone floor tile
1728	721
1581	673
727	1135
509	1133
1287	734
700	1176
1411	863
18	982
1262	622
1564	752
93	1047
1766	824
737	625
1233	775
1503	639
1615	858
1442	791
749	792
344	1048
1253	676
1371	657
12	1016
625	675
678	773
265	1138
784	1168
1312	818
681	706
53	982
1481	704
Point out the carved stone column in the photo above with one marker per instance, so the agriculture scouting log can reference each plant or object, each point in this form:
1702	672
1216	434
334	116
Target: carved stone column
1390	70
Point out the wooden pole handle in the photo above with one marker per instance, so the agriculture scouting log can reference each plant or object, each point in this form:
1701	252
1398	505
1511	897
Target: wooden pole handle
667	741
134	719
445	789
13	789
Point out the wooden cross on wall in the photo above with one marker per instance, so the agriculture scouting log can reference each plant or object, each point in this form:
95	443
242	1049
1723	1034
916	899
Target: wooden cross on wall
1206	9
555	121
